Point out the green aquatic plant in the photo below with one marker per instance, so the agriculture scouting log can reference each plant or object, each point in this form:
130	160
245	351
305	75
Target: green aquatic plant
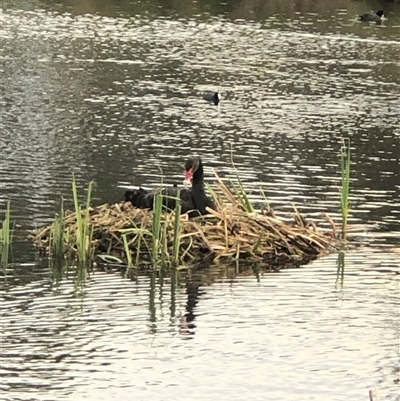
127	252
176	231
214	196
157	230
5	236
240	191
135	243
162	241
166	231
84	231
345	183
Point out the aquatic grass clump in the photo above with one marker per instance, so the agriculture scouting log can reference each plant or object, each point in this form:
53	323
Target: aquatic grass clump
5	236
157	239
156	242
69	240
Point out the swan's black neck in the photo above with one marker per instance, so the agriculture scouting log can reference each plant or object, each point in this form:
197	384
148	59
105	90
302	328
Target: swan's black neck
198	177
198	194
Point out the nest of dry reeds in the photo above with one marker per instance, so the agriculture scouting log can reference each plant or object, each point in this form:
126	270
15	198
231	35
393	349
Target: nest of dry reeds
231	233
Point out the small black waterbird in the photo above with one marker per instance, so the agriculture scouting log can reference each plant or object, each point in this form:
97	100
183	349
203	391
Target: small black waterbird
211	97
372	17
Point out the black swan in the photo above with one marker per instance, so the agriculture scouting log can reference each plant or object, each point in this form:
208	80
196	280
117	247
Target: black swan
372	17
193	200
211	97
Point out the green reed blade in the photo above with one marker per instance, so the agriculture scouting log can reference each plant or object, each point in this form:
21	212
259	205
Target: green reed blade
84	231
213	194
5	236
177	227
265	197
156	228
258	243
189	247
5	229
243	197
139	244
141	232
240	192
345	183
127	251
164	245
88	229
79	233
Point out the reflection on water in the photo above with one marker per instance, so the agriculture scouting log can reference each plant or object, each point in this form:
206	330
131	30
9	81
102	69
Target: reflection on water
113	92
214	332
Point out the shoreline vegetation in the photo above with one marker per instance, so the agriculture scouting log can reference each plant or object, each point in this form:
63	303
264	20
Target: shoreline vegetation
142	238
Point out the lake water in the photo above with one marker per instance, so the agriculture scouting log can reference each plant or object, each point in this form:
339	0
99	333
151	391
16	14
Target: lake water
112	92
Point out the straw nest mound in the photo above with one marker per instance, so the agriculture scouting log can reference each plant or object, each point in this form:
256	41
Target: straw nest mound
126	232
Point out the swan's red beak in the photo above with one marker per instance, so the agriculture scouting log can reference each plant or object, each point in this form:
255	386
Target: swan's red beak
189	174
188	177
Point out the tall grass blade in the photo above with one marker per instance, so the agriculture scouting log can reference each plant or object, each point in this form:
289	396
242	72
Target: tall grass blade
258	242
164	245
240	191
127	252
177	226
214	195
345	184
5	236
242	196
138	249
156	229
189	247
85	252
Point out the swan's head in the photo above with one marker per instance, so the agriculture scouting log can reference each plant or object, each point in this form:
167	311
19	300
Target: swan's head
191	166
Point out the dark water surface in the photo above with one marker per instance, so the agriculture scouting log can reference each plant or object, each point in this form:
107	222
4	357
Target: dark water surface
112	93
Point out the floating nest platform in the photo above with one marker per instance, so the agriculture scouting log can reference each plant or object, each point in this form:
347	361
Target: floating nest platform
229	234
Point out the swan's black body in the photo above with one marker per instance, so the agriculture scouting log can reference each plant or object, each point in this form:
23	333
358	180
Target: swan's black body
193	201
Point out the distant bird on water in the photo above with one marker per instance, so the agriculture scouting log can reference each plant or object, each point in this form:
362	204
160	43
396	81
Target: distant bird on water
211	97
372	17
